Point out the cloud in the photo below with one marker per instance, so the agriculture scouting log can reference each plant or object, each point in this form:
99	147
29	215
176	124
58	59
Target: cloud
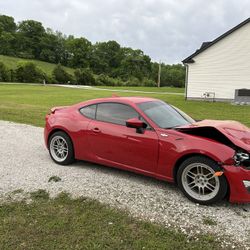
167	30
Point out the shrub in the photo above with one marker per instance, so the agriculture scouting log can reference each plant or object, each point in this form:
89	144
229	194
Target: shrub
108	81
84	77
104	80
49	79
29	72
4	73
133	81
61	75
148	82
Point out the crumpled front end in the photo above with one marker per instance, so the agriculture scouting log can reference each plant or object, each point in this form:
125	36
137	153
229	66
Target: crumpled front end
236	136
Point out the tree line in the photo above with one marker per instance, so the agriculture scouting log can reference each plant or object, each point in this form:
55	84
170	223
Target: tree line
100	63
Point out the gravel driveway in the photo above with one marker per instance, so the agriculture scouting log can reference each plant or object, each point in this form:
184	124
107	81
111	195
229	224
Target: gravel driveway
25	164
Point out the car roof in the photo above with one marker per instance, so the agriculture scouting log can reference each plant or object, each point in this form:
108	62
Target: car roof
127	99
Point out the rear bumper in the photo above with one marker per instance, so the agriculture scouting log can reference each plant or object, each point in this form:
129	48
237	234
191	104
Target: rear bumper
239	193
46	131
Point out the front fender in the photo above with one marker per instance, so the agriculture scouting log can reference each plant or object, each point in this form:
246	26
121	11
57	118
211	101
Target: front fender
177	146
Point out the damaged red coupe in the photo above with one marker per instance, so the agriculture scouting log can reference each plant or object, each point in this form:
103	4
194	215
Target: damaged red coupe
209	160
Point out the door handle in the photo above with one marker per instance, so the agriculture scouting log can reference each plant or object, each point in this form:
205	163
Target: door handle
96	130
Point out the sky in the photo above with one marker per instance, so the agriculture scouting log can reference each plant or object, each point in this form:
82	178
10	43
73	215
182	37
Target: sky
166	30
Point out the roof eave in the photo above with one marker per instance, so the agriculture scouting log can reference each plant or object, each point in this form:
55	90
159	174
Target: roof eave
190	58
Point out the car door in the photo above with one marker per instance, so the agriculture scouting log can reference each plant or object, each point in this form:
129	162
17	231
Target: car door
112	142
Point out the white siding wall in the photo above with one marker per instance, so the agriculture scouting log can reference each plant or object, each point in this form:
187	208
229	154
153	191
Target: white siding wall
223	67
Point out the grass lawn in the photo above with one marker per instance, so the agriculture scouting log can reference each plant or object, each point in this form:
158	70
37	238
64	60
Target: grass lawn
147	89
11	63
29	104
65	223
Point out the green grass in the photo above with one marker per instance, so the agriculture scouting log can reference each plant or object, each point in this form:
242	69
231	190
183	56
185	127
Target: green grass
65	223
29	104
209	221
147	89
12	62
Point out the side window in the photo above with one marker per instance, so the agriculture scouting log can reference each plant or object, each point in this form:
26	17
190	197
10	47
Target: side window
115	113
89	111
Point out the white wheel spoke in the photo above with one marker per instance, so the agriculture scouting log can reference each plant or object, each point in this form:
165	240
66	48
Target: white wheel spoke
191	183
199	190
191	175
209	178
210	185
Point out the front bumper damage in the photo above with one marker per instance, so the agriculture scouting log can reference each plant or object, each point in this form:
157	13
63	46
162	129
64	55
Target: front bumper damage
238	178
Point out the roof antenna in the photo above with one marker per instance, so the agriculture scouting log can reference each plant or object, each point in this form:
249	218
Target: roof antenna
115	95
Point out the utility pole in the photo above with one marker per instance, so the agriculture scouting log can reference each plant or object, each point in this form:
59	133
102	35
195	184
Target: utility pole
159	76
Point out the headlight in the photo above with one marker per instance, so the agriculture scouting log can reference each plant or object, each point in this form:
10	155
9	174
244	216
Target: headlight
241	157
247	185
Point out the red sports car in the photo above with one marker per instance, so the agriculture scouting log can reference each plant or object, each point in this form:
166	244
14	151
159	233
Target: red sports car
209	160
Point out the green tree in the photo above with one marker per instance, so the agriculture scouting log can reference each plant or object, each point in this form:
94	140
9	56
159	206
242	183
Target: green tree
61	75
84	77
7	24
29	72
78	50
7	44
4	73
53	47
29	36
116	65
172	75
135	64
106	57
7	35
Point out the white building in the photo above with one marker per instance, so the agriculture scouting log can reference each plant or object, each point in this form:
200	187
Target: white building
220	67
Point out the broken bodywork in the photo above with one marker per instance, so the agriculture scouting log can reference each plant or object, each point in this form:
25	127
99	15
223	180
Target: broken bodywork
234	135
230	133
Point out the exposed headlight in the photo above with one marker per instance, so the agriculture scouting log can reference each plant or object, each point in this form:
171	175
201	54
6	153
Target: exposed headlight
247	185
240	157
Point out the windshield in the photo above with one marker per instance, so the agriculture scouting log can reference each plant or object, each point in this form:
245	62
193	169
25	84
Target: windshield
164	115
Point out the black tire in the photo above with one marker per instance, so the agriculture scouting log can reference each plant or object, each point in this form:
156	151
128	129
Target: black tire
197	186
69	157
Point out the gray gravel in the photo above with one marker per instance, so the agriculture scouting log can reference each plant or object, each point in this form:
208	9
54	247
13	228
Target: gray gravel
25	164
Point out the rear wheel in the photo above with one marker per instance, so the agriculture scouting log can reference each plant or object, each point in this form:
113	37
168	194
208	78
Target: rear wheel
197	180
61	148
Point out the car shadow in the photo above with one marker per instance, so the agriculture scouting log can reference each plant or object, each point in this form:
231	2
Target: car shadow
125	174
153	182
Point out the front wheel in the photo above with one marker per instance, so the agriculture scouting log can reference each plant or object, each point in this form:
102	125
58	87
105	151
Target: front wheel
61	148
197	180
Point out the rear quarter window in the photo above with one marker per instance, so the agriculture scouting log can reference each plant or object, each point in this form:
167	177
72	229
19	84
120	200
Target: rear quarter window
89	111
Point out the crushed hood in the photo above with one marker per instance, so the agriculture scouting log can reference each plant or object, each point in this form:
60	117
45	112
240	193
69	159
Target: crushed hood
227	132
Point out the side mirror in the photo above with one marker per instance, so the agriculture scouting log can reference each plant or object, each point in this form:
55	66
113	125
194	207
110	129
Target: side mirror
137	124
